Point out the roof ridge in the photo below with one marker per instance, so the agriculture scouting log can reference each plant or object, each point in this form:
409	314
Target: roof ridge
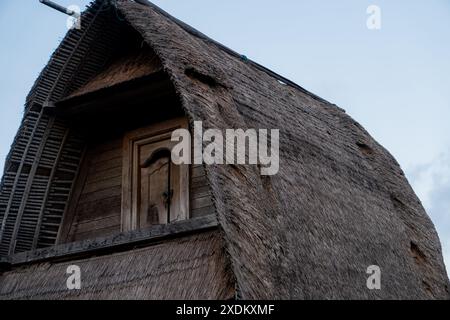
228	50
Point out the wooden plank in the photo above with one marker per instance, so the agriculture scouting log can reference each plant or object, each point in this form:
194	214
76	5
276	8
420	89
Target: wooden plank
127	187
180	206
106	156
102	185
70	211
154	183
199	182
201	202
95	225
100	208
108	145
18	175
102	194
96	175
198	171
107	165
27	189
116	243
47	191
199	192
103	232
201	212
155	86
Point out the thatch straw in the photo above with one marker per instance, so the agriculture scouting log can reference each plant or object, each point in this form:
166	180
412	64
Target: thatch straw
340	202
192	267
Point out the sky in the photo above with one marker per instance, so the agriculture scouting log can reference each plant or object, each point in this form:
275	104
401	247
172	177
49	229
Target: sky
395	81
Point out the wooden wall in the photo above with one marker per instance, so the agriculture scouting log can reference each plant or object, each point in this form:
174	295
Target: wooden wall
95	208
200	193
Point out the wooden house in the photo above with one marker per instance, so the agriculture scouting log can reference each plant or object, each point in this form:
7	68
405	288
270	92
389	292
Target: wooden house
89	181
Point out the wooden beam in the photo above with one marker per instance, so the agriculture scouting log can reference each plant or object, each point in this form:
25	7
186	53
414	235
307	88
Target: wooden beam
17	178
116	243
150	87
26	193
47	192
72	200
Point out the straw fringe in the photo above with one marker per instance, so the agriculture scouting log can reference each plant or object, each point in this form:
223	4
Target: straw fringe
187	268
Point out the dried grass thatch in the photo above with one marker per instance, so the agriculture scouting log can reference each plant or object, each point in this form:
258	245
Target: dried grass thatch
340	202
192	267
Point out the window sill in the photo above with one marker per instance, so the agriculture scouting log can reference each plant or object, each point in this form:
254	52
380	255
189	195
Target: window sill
112	244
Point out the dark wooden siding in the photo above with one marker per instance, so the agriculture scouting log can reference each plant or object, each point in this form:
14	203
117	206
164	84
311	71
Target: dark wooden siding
97	210
201	203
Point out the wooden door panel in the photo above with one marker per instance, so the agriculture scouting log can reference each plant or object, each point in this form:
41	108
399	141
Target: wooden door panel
151	179
154	186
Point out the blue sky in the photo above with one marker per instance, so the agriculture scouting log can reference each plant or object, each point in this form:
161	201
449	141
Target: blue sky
394	81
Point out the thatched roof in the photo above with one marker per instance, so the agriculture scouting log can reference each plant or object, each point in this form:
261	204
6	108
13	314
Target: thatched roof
185	268
340	202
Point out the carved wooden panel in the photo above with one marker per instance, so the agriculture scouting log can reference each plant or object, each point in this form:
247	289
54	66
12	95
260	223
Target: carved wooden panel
155	191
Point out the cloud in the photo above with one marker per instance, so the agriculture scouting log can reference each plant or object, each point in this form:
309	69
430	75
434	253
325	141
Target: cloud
432	184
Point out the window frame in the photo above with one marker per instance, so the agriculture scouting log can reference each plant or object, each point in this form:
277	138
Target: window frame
130	187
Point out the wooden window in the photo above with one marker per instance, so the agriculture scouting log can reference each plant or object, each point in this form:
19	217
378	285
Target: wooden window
154	190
